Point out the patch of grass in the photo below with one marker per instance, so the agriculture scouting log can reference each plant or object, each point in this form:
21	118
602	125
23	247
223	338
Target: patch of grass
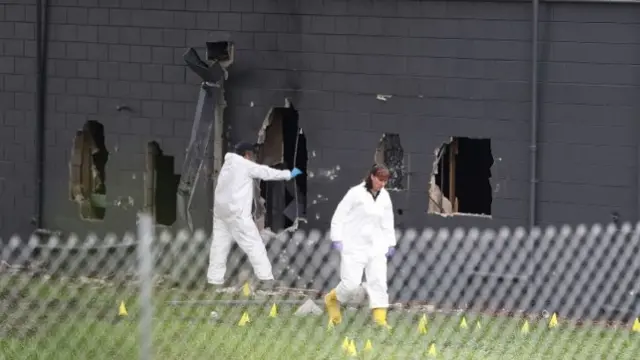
66	320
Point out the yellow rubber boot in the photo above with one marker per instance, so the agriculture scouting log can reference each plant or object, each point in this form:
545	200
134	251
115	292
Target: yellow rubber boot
333	307
380	317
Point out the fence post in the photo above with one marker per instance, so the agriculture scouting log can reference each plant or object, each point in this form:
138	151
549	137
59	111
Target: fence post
145	270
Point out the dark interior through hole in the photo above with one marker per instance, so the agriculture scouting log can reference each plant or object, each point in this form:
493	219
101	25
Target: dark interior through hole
278	196
166	186
472	175
99	155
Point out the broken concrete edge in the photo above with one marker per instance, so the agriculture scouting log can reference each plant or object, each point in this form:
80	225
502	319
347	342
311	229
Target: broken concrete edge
87	171
262	133
438	203
397	167
260	211
149	177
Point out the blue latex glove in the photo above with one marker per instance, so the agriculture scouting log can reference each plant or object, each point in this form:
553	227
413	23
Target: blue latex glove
295	172
337	245
391	251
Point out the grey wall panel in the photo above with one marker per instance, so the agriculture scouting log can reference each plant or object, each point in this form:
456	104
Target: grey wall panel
452	69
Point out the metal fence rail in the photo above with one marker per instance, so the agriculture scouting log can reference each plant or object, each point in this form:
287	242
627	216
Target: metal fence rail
549	293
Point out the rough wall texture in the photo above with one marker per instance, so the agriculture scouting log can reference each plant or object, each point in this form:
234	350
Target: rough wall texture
451	68
17	116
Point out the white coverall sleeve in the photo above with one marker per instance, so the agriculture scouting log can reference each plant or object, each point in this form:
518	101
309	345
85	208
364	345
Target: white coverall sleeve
340	215
266	173
388	226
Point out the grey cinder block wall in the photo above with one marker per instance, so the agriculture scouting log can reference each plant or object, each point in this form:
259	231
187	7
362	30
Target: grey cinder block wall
443	69
354	70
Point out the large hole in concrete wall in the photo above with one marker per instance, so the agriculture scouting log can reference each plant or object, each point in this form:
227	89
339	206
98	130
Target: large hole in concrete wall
460	181
282	145
390	153
87	177
160	185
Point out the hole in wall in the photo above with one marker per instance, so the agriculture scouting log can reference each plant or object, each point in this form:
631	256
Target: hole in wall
220	51
217	52
460	180
161	185
87	171
282	145
390	153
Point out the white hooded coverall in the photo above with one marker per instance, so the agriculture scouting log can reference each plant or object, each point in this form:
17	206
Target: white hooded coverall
365	226
232	218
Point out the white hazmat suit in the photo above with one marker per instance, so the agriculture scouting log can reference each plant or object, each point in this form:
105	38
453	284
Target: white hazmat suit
232	218
365	227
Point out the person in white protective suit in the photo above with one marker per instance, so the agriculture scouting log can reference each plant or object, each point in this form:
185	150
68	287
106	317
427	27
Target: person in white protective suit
363	230
232	216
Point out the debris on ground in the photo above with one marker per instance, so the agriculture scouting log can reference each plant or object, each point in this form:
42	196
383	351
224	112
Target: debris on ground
309	307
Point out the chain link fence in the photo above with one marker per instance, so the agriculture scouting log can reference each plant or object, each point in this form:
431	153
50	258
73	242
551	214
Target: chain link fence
550	293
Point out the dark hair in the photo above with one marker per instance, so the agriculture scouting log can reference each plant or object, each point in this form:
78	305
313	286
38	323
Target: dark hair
376	170
243	147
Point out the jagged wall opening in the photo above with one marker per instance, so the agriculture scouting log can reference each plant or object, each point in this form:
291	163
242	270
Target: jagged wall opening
391	154
87	171
282	145
460	181
161	184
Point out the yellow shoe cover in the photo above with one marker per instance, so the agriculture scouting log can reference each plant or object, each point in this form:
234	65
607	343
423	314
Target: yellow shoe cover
333	307
380	317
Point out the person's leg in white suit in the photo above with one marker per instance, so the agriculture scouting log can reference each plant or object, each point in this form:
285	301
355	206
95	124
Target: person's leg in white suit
352	267
351	271
219	251
244	231
246	234
376	274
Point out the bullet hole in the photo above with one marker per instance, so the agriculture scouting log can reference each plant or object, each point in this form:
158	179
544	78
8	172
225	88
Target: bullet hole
390	153
615	218
87	171
282	145
460	181
160	185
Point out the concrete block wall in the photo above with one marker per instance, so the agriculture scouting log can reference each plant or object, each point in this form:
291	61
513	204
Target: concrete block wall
17	116
452	69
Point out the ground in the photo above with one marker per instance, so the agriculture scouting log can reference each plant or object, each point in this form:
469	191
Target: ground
62	319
